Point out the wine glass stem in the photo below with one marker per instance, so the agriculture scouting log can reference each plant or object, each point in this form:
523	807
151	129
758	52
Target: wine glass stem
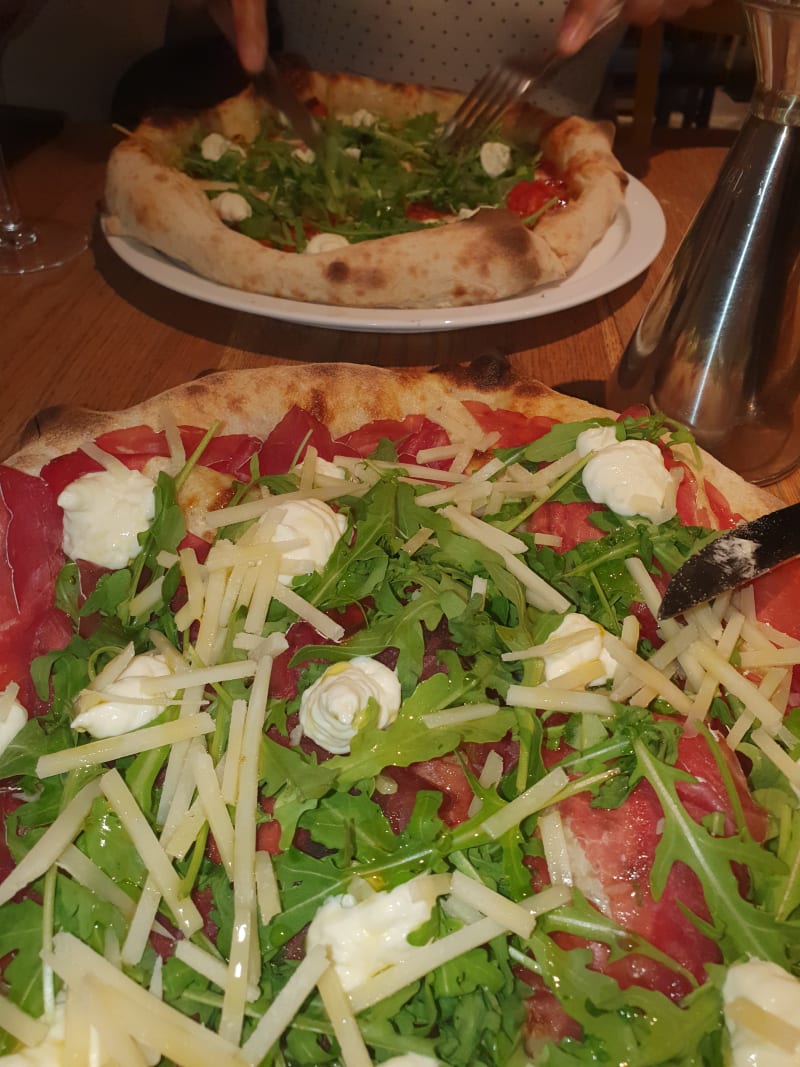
13	231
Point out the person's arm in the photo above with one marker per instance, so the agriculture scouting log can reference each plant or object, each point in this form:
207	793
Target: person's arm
250	28
581	16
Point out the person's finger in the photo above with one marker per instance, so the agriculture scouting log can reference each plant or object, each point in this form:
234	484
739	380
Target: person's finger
250	27
576	25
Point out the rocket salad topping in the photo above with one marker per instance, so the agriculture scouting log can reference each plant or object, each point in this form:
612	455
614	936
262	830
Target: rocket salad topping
547	850
368	179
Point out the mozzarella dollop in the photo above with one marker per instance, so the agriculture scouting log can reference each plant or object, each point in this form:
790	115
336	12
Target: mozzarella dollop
325	242
495	158
214	146
104	513
584	651
108	717
630	478
232	207
776	992
364	938
304	154
353	151
12	718
595	438
333	708
311	522
361	117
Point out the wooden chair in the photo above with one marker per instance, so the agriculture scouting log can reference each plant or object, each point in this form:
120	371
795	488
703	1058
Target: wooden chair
720	19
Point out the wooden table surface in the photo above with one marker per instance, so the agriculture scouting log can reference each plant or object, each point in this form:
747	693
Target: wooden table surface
97	334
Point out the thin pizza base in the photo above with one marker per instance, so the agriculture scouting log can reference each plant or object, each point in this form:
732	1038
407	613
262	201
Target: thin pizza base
490	257
344	397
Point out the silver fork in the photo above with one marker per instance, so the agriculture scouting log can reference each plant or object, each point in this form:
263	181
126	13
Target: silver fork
502	86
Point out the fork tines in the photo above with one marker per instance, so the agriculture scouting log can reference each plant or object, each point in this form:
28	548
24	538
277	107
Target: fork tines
499	88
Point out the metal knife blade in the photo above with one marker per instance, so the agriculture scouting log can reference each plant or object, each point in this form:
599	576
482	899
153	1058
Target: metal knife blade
271	84
733	559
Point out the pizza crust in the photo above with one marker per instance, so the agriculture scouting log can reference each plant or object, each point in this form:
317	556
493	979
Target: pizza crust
344	397
490	257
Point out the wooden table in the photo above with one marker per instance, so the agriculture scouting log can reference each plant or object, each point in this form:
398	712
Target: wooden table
97	334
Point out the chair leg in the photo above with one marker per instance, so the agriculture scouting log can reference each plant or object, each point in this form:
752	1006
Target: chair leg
648	70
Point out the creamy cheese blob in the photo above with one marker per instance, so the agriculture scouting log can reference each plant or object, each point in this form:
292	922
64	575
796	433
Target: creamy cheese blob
361	117
325	242
364	938
110	718
332	709
214	146
630	478
304	154
583	651
104	513
495	158
231	207
12	718
316	525
776	992
595	438
353	151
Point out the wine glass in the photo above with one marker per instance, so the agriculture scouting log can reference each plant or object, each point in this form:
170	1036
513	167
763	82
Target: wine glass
28	245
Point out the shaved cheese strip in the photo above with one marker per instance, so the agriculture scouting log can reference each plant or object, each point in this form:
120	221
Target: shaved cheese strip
176	772
318	619
505	912
548	540
556	852
774	657
648	674
755	702
337	1005
262	595
113	748
153	1022
538	592
7	699
202	767
113	1041
728	638
456	716
167	559
233	753
551	646
630	632
253	509
194	578
80	1039
80	867
147	599
51	844
153	855
19	1024
105	459
244	851
210	620
174	441
782	760
545	698
492	770
553	897
579	677
180	839
771	680
267	893
223	672
483	532
211	967
707	622
531	800
424	960
417	540
416	472
114	668
285	1006
143	921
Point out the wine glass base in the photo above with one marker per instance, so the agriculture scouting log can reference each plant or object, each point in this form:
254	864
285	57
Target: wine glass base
43	244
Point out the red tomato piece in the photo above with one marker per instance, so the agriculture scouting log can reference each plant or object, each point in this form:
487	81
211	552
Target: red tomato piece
515	429
526	198
422	211
570	522
777	594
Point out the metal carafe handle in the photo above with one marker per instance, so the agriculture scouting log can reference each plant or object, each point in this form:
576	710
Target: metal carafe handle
718	347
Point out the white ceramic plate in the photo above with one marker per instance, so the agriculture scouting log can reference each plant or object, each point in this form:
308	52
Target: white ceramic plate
631	245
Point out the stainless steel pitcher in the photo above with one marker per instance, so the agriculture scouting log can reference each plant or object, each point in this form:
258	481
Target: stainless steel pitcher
718	347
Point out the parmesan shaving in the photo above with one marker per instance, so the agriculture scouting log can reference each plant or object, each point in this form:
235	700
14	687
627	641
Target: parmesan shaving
337	1005
19	1024
556	853
267	892
504	912
456	716
531	800
105	459
546	698
285	1006
318	619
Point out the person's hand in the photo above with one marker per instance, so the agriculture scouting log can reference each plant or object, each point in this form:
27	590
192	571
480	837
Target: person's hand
582	15
250	30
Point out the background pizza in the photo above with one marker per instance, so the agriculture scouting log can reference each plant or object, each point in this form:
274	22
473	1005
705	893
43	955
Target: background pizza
538	818
161	178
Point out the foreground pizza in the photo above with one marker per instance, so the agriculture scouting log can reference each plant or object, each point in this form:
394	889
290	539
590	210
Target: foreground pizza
374	217
386	757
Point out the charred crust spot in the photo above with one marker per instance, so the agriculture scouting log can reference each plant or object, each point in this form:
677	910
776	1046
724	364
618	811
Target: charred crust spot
512	241
337	272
